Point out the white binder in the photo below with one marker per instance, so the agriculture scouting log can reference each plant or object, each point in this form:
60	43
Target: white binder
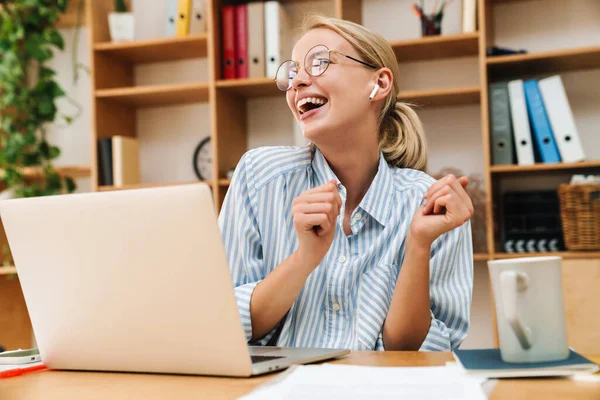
256	40
277	36
520	122
171	23
561	119
469	16
198	17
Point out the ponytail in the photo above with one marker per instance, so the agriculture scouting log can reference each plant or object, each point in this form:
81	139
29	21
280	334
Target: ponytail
402	137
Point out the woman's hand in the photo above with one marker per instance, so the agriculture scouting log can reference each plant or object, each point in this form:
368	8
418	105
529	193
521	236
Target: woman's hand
315	215
446	205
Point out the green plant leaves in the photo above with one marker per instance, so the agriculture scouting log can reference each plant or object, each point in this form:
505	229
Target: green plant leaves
27	103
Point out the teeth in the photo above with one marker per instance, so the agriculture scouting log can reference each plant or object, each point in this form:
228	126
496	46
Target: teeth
313	100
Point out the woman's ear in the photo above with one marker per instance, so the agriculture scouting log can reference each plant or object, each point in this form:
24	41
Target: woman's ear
384	80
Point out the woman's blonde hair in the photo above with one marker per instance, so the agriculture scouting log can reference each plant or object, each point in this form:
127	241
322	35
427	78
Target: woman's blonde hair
401	133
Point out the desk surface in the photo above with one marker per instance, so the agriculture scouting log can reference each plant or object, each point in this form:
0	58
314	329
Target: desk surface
96	385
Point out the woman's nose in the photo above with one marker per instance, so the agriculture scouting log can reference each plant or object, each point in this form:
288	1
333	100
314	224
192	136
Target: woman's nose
301	79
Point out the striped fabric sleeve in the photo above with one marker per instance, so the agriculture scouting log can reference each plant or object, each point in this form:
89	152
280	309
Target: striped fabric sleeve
451	289
242	241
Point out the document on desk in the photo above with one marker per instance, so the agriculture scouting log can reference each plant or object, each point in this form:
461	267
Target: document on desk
349	382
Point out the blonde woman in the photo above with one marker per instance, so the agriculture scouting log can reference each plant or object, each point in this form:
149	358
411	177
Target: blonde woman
347	243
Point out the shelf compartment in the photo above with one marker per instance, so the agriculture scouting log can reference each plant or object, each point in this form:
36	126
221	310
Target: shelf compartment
436	47
547	62
507	169
157	95
156	50
442	97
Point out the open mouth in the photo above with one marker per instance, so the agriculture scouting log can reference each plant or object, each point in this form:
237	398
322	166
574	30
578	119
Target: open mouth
310	103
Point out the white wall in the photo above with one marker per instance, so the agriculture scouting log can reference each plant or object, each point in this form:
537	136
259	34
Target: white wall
169	134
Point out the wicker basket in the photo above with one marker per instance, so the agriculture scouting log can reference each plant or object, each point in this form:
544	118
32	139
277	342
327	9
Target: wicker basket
580	214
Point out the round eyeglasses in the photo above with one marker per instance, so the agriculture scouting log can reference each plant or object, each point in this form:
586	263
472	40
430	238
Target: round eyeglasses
316	62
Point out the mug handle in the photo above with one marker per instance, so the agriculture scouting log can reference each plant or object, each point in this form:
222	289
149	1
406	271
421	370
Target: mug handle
512	283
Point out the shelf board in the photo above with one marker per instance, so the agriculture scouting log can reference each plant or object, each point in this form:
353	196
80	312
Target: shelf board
74	171
442	97
253	87
543	167
8	270
436	47
148	185
563	254
157	95
481	257
544	62
224	182
156	50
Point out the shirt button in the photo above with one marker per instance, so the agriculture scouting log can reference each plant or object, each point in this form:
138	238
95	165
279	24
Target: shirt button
342	259
357	216
336	307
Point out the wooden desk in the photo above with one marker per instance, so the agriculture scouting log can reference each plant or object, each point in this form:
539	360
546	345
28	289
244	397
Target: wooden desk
96	385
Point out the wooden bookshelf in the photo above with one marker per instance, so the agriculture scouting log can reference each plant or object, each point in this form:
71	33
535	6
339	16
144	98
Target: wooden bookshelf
8	270
442	97
224	182
157	95
508	169
436	47
256	87
148	185
547	62
156	50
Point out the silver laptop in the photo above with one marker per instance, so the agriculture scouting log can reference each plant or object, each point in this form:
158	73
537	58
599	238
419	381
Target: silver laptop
134	280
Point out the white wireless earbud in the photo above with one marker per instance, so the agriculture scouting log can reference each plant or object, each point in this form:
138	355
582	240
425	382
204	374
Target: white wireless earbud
375	89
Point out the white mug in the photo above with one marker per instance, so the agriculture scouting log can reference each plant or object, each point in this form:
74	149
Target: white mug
529	309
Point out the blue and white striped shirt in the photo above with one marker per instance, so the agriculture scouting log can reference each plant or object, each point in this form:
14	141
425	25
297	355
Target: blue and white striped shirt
345	300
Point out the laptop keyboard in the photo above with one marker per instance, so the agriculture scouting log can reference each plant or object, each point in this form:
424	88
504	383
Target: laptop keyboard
259	359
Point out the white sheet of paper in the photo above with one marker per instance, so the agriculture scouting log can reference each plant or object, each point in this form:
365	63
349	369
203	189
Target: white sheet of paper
17	366
333	381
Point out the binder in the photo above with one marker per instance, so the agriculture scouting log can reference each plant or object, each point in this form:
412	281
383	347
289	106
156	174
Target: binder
520	123
228	27
183	17
501	127
105	170
469	16
277	41
256	40
241	41
126	160
540	124
198	17
172	6
561	119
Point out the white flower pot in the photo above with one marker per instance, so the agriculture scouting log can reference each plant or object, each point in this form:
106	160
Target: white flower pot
121	26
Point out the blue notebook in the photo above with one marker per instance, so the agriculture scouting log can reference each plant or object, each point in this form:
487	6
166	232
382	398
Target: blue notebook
488	363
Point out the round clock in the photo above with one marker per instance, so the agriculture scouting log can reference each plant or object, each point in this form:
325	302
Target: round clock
203	160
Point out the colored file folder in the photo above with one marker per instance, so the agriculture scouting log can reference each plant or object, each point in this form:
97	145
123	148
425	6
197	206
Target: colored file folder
561	119
540	124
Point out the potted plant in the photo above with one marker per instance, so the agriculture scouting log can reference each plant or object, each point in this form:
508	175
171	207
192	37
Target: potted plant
28	94
121	23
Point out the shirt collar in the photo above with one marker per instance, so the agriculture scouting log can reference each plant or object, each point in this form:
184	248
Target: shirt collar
377	202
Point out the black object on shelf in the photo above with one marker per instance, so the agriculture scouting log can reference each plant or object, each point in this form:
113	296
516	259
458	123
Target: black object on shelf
531	222
502	51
